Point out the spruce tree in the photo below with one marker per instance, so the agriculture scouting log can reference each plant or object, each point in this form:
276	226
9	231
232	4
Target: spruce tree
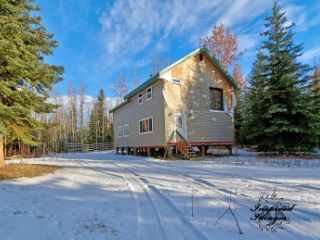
316	98
99	127
25	77
256	102
285	115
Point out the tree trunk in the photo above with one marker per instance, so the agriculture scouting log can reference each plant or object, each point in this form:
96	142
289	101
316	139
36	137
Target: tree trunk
1	151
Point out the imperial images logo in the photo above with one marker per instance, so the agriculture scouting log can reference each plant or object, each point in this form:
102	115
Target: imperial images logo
271	212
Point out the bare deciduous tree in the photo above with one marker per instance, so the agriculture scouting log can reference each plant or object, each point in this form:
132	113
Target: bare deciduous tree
157	63
121	86
72	112
135	79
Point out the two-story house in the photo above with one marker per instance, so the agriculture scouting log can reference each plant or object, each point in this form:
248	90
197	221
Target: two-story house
186	106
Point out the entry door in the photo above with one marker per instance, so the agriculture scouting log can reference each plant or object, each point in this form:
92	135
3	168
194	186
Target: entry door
180	124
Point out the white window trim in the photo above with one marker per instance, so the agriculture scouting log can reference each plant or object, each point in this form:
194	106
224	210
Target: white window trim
223	101
123	130
147	94
140	98
120	135
142	133
176	81
212	110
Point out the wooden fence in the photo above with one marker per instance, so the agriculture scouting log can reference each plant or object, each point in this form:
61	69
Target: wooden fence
81	147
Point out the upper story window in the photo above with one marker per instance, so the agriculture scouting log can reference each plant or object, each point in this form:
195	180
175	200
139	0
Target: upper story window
126	130
216	99
140	98
176	81
120	131
200	57
149	93
146	125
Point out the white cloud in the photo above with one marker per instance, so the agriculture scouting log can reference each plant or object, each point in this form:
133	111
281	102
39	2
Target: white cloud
303	16
130	26
248	42
296	14
243	10
311	54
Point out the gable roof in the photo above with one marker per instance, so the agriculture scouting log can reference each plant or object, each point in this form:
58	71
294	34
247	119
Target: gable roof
155	77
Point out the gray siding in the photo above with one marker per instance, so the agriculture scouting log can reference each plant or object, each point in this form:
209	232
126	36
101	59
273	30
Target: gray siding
193	96
210	127
131	113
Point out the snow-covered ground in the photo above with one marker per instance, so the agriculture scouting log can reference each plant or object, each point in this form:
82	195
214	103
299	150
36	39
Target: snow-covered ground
109	196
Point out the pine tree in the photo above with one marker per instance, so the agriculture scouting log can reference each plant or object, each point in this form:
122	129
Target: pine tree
256	102
284	115
92	133
99	124
316	96
316	79
25	78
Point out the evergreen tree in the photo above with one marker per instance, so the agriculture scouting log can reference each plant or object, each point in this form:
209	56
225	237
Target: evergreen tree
283	108
316	79
92	133
316	96
25	78
256	101
99	124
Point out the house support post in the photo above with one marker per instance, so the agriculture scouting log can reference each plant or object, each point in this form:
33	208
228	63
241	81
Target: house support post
149	152
134	151
122	149
229	147
169	153
203	151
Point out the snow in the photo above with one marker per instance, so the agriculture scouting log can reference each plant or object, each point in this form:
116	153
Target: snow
103	195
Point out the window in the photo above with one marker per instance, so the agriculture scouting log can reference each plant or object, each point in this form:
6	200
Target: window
176	81
120	131
146	125
216	99
200	57
126	130
149	93
140	98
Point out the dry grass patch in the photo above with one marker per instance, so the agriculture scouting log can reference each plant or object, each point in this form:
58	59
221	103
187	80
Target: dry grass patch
20	170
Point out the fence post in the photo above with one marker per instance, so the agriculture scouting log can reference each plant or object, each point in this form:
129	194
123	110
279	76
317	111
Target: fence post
1	151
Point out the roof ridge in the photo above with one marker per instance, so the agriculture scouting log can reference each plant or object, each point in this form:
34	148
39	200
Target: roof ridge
155	77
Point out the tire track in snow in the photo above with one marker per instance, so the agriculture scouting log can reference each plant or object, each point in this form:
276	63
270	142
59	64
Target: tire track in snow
203	188
207	189
164	199
265	181
84	164
134	187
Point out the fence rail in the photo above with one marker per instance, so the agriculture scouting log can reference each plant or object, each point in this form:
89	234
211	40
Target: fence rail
81	147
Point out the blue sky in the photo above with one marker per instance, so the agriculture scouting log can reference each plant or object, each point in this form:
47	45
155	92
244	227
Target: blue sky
101	39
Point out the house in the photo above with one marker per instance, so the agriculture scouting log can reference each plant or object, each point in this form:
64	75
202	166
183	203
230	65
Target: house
186	107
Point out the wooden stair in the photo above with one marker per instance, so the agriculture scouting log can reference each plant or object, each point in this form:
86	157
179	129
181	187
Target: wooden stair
183	146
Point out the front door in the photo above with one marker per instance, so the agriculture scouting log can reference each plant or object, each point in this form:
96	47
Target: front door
180	124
